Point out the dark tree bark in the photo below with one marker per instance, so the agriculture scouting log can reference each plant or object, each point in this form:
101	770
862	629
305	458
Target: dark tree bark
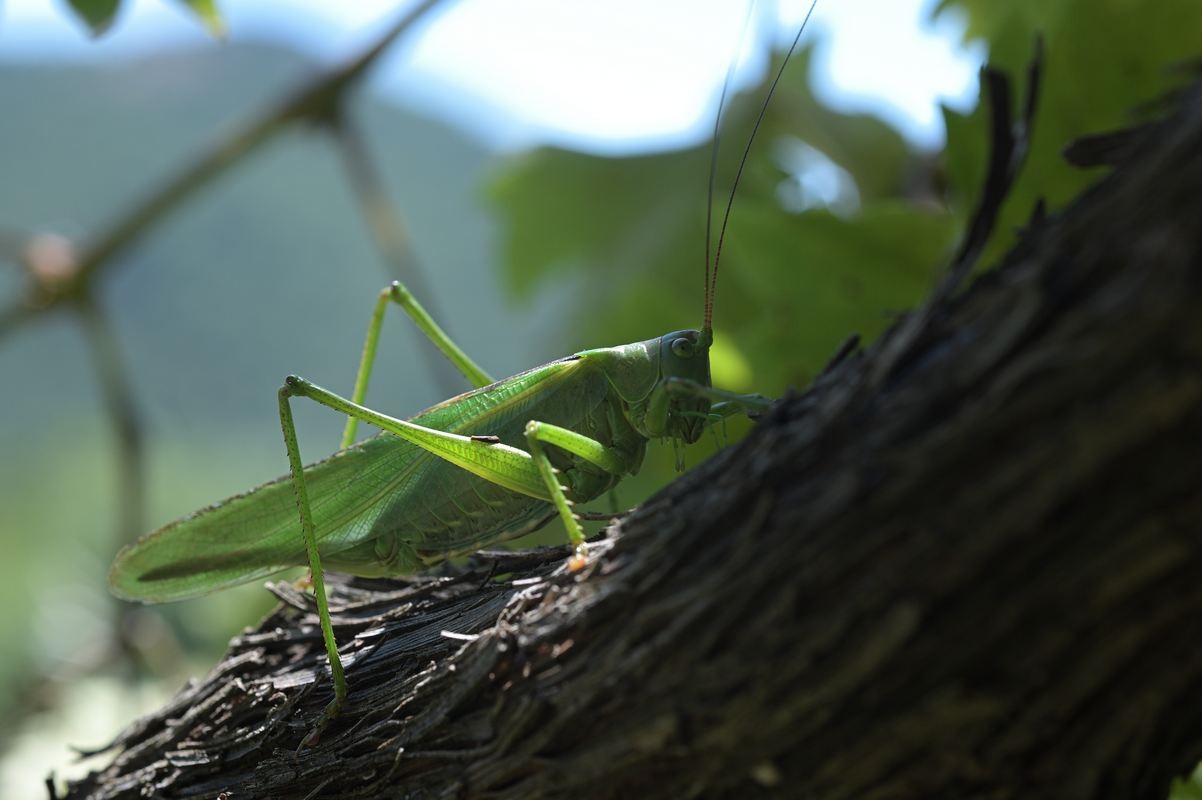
966	562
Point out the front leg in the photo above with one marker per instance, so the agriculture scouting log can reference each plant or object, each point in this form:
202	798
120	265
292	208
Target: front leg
539	434
725	404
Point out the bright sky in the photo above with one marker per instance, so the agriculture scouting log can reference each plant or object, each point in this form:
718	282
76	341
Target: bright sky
627	74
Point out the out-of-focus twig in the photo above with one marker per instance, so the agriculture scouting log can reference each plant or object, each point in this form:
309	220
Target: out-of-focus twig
112	373
51	263
387	229
14	317
12	245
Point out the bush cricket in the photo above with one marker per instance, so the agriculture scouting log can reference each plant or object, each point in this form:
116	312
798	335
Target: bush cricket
486	466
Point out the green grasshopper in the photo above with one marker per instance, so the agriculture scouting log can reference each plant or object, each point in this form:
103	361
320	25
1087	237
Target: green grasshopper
489	465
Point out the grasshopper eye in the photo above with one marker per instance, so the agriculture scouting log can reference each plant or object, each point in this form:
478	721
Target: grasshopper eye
682	347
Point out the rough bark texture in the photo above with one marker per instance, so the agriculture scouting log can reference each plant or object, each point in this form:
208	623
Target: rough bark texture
967	562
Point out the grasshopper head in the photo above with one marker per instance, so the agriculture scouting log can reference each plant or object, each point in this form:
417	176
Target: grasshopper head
652	378
684	356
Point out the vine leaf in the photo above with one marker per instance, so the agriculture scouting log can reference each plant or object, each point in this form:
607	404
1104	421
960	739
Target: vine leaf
98	15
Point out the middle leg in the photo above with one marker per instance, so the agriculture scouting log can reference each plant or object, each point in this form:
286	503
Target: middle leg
397	293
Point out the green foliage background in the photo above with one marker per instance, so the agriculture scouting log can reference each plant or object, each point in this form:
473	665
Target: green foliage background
794	285
591	250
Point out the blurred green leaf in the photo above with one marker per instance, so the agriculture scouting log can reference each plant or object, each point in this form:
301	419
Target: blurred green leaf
792	285
728	366
876	156
566	209
800	284
634	228
1187	788
1097	76
208	13
987	20
98	15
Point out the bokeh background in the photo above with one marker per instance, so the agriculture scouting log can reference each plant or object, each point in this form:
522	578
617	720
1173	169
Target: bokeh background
549	163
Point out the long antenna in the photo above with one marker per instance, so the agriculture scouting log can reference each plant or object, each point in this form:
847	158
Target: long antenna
709	197
712	275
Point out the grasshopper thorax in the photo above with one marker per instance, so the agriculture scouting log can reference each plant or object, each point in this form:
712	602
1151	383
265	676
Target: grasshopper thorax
661	383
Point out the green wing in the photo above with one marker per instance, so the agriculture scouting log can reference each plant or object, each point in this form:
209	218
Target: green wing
257	533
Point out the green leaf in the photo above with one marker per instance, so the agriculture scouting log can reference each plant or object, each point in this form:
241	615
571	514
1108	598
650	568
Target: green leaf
98	15
207	12
1096	77
797	285
632	232
1187	788
639	221
570	209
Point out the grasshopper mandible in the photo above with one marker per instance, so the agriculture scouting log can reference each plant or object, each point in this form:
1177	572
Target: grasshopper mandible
489	465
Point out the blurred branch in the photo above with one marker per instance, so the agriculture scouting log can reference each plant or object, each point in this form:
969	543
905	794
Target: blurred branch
14	317
12	245
113	375
386	227
312	102
116	385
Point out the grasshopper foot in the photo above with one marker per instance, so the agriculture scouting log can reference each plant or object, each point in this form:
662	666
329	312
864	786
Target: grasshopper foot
578	559
327	716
